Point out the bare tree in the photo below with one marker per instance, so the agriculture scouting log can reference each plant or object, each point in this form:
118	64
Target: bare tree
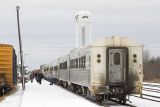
151	67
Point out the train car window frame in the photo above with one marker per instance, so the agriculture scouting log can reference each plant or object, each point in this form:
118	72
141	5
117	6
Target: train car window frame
84	63
47	69
117	58
55	68
51	68
76	61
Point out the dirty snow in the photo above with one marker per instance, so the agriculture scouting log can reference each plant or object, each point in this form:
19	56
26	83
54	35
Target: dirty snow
45	95
13	100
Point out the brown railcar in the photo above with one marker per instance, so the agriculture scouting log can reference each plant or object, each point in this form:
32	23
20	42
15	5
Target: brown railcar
8	68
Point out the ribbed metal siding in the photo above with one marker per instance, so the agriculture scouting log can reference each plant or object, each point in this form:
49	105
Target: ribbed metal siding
8	64
80	77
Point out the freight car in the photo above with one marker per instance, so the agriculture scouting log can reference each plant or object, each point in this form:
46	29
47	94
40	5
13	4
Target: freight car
111	67
8	68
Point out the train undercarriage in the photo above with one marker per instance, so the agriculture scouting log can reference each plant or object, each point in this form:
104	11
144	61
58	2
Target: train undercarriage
116	93
4	88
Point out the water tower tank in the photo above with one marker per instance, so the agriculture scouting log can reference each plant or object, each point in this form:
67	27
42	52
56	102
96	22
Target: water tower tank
83	28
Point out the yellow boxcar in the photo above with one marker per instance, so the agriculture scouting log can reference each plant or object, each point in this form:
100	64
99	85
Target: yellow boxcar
8	66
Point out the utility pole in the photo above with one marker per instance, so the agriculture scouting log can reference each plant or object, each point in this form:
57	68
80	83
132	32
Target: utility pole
20	48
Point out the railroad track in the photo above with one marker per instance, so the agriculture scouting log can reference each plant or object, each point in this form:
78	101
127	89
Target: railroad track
151	92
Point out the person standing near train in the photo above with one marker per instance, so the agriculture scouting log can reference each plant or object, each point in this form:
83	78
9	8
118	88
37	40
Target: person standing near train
52	78
39	77
31	77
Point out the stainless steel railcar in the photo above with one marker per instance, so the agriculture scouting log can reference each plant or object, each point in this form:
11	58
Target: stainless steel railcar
110	67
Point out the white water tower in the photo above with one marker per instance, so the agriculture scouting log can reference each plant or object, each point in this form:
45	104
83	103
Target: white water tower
83	28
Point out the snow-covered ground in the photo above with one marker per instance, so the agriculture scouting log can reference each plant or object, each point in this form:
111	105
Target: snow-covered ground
46	95
147	103
13	100
152	89
138	102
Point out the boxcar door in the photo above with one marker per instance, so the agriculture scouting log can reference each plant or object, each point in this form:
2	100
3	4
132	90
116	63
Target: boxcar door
117	65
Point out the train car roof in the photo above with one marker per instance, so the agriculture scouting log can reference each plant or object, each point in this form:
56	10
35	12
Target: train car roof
6	45
115	41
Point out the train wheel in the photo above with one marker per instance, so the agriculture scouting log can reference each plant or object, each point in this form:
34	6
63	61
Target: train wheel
73	88
122	101
79	90
88	93
85	91
65	84
61	83
99	98
58	82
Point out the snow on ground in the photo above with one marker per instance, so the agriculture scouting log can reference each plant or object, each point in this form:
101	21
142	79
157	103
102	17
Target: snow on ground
138	102
152	89
151	83
144	102
46	95
13	100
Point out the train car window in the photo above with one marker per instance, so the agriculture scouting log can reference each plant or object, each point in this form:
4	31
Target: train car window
73	63
61	66
51	68
76	63
84	64
55	68
70	63
65	65
117	58
79	62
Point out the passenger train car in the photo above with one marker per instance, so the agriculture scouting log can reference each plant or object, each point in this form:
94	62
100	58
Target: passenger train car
111	67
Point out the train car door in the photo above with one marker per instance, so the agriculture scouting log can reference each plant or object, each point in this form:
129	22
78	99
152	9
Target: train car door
117	65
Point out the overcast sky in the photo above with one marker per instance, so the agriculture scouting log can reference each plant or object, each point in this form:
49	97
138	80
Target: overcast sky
48	27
